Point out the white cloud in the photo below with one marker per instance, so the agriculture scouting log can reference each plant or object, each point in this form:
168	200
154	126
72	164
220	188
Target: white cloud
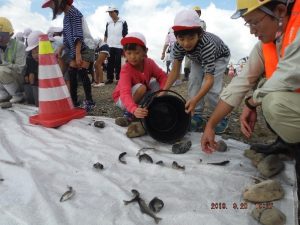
152	18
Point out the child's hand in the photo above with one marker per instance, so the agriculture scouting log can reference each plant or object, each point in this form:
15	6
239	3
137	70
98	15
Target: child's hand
31	78
78	60
190	106
26	79
140	112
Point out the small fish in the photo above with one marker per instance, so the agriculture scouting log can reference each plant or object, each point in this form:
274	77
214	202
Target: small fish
144	149
121	159
181	147
136	195
143	206
161	163
146	158
223	163
175	165
156	204
1	179
145	209
67	195
99	124
98	165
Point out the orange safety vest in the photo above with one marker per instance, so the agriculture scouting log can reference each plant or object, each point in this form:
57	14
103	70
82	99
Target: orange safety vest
269	49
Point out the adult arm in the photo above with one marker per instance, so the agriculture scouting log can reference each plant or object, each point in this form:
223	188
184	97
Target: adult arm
208	143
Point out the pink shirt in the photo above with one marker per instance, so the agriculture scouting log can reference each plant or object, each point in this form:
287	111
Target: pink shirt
129	76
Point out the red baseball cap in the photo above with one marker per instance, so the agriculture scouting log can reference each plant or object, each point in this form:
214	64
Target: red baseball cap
134	38
47	3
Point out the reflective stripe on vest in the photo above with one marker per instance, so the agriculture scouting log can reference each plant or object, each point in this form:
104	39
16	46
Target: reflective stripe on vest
10	54
269	49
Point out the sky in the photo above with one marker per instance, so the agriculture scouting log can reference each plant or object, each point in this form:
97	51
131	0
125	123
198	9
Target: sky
150	17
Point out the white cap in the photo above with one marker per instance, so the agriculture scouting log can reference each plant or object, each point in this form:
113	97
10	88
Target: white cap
26	32
134	38
19	36
33	40
111	9
186	19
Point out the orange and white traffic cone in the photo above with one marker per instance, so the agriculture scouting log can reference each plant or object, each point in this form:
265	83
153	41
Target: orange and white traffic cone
55	104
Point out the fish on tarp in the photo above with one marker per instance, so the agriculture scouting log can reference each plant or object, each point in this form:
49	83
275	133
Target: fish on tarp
68	194
143	206
98	166
145	158
156	204
175	165
144	149
223	163
121	158
160	162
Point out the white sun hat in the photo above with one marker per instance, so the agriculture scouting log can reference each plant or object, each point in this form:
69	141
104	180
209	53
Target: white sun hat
111	9
26	32
33	40
134	38
186	19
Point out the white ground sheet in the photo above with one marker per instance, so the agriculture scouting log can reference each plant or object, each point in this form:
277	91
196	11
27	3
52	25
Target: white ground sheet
37	164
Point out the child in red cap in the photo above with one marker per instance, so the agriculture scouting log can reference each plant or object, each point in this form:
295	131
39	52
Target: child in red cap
209	58
136	78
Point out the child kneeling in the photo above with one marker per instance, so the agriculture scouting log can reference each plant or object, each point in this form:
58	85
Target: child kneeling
139	77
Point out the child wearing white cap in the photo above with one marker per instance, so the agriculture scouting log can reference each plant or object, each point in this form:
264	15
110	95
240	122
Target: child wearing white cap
136	78
209	59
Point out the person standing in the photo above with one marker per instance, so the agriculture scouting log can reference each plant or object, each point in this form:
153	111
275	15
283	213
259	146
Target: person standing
12	64
187	61
79	45
115	30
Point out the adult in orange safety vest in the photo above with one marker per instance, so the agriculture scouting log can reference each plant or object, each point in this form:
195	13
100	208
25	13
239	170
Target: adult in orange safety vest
274	67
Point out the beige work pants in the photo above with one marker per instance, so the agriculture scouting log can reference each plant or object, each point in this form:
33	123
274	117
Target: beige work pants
282	112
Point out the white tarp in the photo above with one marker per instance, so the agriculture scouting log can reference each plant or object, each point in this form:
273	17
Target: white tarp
37	164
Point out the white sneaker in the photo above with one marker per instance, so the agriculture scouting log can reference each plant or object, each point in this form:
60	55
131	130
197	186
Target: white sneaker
16	99
98	85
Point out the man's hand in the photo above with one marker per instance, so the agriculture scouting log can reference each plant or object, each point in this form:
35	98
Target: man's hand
208	143
140	112
248	119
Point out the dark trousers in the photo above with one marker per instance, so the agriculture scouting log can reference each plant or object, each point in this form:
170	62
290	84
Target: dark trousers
83	74
114	63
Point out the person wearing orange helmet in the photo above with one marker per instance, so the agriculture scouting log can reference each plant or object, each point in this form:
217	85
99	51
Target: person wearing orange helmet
273	69
12	64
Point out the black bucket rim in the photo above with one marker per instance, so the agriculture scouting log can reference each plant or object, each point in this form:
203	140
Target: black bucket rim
164	136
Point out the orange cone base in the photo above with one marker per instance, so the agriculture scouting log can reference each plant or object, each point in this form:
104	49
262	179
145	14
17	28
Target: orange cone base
57	119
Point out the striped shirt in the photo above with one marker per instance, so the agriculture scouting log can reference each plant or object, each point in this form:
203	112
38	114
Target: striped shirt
209	48
72	30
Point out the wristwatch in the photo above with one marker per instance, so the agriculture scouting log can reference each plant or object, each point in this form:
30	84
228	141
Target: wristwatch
248	104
